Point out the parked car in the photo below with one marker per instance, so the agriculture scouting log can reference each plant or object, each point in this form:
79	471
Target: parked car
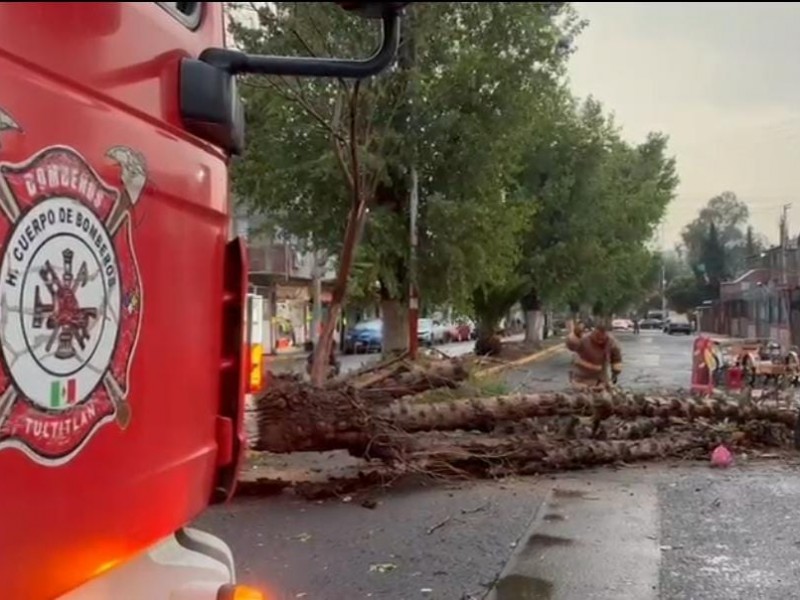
678	324
430	332
442	332
463	331
425	332
651	324
366	337
622	325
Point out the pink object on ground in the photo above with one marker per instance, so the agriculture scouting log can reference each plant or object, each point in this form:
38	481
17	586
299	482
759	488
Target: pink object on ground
721	457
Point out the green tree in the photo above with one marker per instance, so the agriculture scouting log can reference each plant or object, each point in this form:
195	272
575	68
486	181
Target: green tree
735	240
459	106
684	293
599	202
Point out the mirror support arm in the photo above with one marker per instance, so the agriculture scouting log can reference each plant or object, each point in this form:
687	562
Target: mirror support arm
236	63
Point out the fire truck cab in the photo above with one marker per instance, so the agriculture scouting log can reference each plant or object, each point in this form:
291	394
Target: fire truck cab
124	354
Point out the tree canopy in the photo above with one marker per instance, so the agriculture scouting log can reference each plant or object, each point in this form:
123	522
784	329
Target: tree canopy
524	191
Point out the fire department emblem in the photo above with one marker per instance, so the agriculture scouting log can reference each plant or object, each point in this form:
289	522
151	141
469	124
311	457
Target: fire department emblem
70	300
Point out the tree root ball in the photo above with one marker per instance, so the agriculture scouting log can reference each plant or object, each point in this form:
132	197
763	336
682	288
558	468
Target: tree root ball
491	346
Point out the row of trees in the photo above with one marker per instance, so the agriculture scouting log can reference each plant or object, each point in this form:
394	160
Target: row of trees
716	246
525	193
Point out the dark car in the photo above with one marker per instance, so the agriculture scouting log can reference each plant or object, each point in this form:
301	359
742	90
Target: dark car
365	337
651	324
678	324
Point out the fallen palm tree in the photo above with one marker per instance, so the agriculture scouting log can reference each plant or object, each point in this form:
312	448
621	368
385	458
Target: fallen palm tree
294	417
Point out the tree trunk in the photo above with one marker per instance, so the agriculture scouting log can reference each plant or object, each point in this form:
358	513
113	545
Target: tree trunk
534	327
534	317
300	418
395	327
487	342
355	225
480	455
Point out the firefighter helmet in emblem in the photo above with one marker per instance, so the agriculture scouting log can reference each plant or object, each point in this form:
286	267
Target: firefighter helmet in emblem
70	300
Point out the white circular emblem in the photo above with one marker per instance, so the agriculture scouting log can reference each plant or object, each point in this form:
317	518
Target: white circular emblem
61	303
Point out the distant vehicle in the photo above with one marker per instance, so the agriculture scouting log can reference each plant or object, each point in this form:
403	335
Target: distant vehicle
442	332
365	337
622	325
651	324
425	332
464	330
678	324
431	331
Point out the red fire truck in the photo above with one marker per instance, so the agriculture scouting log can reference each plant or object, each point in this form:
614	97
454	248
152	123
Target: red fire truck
122	295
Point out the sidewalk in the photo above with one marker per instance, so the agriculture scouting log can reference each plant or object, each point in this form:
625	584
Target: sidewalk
297	354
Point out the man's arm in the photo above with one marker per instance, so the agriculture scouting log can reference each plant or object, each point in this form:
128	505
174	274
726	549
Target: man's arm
615	356
573	336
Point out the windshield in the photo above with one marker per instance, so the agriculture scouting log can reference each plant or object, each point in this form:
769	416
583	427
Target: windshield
367	326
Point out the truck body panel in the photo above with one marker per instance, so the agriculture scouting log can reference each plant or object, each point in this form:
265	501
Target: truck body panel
86	87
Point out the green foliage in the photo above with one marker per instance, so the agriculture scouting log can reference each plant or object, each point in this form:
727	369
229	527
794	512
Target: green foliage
726	218
523	191
459	105
600	200
685	293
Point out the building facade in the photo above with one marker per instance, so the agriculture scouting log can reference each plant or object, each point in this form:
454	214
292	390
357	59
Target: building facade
764	302
284	274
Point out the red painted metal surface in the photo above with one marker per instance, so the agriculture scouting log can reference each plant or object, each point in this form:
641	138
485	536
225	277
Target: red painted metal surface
92	76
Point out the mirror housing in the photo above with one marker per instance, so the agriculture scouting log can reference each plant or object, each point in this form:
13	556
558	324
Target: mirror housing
373	10
236	63
210	105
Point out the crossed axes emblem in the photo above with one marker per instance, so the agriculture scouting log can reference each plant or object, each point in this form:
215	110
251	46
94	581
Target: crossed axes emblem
134	177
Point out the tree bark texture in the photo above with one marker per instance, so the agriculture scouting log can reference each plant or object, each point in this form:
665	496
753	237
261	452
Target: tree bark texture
294	417
395	327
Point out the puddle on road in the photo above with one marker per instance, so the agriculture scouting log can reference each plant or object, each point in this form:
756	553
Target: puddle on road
519	587
554	517
563	493
547	541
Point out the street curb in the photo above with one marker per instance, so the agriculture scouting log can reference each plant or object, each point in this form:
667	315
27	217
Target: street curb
521	543
523	361
280	358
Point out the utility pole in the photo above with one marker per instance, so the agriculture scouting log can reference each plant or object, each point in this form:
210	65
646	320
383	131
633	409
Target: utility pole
408	61
784	235
663	276
413	298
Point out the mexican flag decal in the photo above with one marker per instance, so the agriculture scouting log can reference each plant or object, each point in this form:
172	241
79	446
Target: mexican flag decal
70	295
63	393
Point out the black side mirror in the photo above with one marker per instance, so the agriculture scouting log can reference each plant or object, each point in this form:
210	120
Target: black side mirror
210	105
235	62
373	10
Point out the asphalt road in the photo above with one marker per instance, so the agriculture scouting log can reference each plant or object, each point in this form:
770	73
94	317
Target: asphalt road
653	532
651	359
664	532
448	543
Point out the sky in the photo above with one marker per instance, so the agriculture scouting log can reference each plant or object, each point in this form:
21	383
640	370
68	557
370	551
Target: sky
721	80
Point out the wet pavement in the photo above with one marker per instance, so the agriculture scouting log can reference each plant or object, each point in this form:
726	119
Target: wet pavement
438	542
651	359
663	532
678	531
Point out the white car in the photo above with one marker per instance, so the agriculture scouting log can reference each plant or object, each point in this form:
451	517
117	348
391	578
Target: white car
622	325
